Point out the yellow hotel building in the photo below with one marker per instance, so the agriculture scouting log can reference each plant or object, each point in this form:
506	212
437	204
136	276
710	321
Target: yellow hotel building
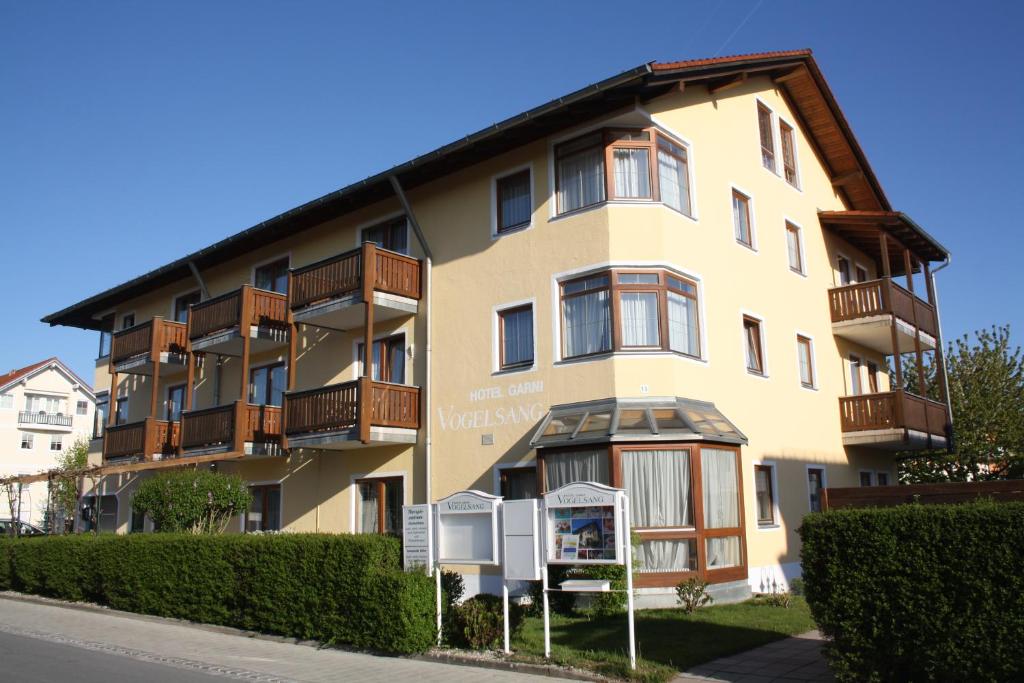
681	280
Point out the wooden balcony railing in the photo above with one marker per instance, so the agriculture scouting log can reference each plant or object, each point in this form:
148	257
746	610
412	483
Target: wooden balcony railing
893	410
882	297
141	439
246	304
233	425
339	275
358	404
148	339
50	419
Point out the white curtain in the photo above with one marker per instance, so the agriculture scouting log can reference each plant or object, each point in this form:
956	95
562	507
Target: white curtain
581	179
723	552
682	324
565	468
674	182
515	203
632	172
368	508
517	329
718	476
588	325
740	219
665	556
639	319
658	485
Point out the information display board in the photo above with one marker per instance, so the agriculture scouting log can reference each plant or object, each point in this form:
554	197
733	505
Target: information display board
418	537
521	537
467	528
583	523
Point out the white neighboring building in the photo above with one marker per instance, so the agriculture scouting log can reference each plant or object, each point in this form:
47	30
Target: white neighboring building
44	408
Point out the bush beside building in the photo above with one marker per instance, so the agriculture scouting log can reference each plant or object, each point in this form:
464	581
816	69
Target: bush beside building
342	589
919	592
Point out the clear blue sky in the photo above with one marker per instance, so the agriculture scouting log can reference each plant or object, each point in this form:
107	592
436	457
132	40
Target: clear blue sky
131	134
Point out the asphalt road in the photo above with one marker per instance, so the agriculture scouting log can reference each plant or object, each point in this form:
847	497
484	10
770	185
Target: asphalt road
33	660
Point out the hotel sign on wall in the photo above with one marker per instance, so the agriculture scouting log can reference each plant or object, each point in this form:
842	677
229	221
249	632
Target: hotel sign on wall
515	408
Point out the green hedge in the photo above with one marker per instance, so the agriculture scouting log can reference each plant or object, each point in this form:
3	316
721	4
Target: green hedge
343	589
919	592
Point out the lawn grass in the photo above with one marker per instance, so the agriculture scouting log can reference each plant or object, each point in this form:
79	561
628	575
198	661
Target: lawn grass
668	640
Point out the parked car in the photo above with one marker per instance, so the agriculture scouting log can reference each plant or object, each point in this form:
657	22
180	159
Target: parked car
24	528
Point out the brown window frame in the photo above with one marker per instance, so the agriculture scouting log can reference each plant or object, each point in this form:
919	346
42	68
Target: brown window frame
380	483
856	363
171	389
769	470
792	229
745	202
401	222
823	486
787	138
499	185
502	365
189	298
750	322
872	377
121	400
804	343
503	473
106	335
768	156
265	507
385	358
615	288
269	367
697	533
276	263
610	139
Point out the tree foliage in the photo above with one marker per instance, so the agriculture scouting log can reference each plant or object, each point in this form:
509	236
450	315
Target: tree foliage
64	484
986	390
192	501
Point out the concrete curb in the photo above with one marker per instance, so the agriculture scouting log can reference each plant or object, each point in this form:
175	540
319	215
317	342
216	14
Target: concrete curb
548	670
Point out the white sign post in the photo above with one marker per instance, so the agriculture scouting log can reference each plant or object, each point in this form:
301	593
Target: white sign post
587	524
520	551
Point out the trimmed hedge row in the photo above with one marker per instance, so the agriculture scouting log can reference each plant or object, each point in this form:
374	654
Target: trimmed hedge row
919	592
343	589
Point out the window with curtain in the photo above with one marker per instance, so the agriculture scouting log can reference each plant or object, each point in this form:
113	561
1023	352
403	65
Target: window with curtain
515	329
566	467
639	318
392	234
632	169
56	442
388	359
586	316
673	175
805	357
518	483
764	490
754	345
720	485
741	219
683	330
580	173
764	126
658	485
514	205
856	388
380	505
265	511
272	277
81	407
266	385
182	303
815	483
788	153
796	260
28	440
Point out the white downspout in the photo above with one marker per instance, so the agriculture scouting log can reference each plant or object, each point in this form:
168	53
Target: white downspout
938	321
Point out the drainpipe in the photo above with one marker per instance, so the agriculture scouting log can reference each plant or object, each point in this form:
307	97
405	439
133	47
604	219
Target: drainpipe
427	434
942	351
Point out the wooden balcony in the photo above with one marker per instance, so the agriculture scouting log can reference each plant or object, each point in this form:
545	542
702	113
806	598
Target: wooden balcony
352	414
150	439
138	348
865	312
327	292
218	325
238	427
894	419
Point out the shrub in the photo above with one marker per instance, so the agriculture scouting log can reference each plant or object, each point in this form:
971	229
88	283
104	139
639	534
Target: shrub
452	590
195	501
480	621
919	592
692	594
345	589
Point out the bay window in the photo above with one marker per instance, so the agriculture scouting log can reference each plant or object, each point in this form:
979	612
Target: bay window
629	310
629	164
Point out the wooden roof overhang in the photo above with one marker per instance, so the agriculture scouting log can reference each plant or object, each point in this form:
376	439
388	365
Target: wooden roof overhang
863	229
794	72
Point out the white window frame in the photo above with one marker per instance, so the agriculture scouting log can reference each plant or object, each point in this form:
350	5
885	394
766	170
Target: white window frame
58	439
786	223
744	313
807	480
776	522
494	200
252	271
7	398
754	245
31	441
78	404
280	505
496	339
861	365
798	186
837	277
814	361
354	498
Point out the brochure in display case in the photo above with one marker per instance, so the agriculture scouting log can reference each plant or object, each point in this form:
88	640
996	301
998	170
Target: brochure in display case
582	524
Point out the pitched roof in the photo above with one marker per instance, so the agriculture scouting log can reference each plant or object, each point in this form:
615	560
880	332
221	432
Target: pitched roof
15	376
795	72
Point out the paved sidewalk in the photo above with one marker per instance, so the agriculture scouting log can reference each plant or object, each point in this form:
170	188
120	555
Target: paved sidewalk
790	660
203	650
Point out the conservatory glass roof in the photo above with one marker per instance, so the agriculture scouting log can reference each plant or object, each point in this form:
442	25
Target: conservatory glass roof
635	419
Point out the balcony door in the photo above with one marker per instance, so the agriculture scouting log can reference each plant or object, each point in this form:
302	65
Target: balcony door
175	402
392	235
267	384
388	359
